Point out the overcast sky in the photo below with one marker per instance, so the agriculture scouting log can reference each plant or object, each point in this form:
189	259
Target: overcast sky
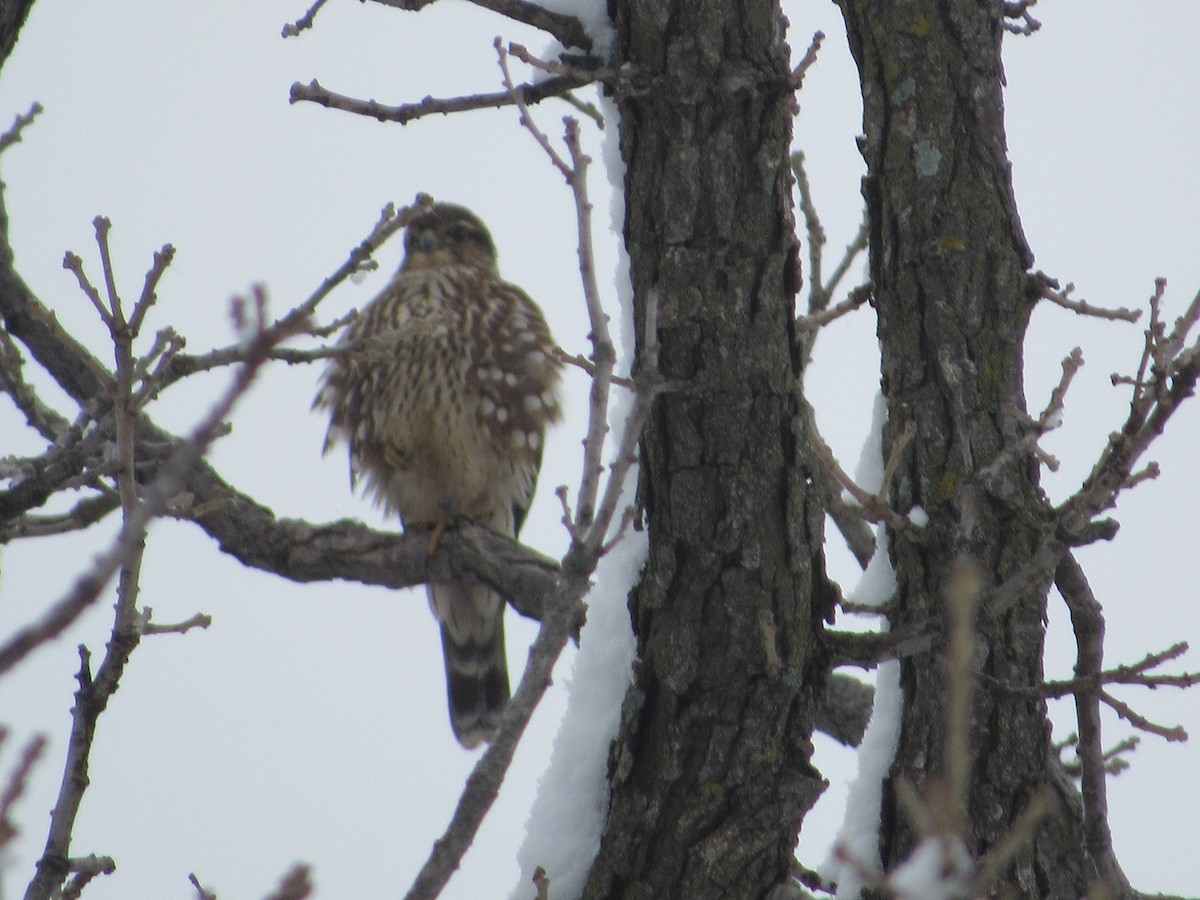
309	722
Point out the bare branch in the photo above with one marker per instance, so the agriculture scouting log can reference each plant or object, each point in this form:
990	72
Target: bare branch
1087	621
1135	674
202	893
84	869
559	66
1167	374
526	120
18	781
296	885
1175	733
820	291
1050	419
123	556
41	417
807	61
162	259
1047	288
313	92
872	507
293	29
84	514
1019	9
1173	370
817	298
298	320
581	362
13	135
154	503
853	251
72	263
855	299
146	626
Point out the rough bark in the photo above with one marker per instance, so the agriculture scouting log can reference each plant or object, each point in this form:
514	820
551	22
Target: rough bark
949	262
12	16
711	774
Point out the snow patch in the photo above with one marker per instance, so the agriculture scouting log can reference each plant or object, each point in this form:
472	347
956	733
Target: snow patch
567	818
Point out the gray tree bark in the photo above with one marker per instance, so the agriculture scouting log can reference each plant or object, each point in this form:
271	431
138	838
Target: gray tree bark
949	263
711	773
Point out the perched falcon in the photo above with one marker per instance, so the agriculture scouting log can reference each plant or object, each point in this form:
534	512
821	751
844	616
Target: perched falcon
445	409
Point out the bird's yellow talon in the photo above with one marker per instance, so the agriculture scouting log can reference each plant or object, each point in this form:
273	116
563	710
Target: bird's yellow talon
439	528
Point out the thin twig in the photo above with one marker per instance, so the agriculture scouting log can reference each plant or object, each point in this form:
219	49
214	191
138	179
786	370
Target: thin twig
155	499
295	885
146	626
818	299
872	507
18	781
1019	9
581	362
201	892
293	29
806	61
13	135
853	251
1047	289
526	119
162	259
72	263
1050	419
314	92
124	556
1174	734
853	301
1133	674
559	67
589	527
298	320
85	869
1167	373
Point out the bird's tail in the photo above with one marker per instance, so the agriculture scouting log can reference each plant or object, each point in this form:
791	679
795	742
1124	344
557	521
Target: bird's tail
472	620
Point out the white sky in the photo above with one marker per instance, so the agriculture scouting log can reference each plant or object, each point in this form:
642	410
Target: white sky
309	722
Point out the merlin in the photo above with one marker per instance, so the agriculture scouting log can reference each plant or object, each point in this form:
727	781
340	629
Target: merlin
444	401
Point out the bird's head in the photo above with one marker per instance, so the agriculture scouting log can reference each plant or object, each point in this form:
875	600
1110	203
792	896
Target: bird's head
447	235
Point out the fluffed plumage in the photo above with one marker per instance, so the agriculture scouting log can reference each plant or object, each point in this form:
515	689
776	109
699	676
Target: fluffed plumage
445	408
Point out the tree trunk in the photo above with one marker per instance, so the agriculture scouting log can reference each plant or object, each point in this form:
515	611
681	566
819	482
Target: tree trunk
711	774
949	262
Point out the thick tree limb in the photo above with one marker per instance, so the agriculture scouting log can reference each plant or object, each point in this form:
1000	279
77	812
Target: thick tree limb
249	531
348	550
